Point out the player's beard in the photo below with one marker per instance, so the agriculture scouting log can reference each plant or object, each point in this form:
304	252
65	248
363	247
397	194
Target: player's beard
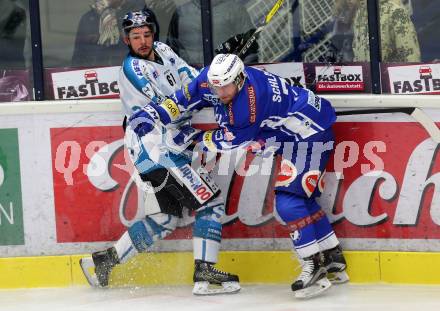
142	56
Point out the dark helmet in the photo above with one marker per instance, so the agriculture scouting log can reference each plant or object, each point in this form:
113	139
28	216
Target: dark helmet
148	11
136	19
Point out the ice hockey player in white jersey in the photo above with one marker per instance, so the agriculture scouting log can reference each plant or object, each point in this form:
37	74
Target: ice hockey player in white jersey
150	72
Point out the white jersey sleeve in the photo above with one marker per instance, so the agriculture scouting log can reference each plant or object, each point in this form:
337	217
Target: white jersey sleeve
186	72
143	82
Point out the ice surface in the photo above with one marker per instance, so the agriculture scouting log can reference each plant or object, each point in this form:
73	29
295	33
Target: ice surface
252	298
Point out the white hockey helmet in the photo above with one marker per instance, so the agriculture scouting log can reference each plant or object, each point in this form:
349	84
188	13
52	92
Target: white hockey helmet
225	69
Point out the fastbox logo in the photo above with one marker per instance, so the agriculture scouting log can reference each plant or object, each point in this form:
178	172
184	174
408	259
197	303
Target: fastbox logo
11	210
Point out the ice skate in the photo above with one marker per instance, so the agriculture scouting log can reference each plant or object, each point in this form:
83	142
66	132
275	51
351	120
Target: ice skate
336	265
312	280
210	281
98	267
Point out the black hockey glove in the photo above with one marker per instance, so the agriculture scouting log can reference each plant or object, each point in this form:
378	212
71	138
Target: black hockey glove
234	44
294	81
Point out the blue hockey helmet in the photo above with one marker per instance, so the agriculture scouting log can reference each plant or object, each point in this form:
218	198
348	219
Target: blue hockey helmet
135	19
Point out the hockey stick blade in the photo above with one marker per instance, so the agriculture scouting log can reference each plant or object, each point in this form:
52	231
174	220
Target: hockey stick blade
418	114
267	19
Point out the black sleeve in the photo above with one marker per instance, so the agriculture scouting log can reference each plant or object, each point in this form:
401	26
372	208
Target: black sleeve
87	36
156	23
173	33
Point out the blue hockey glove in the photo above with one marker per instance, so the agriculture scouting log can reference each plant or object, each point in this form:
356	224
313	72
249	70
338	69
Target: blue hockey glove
186	134
180	138
144	120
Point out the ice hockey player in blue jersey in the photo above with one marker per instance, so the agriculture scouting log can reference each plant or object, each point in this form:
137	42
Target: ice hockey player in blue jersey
253	107
150	72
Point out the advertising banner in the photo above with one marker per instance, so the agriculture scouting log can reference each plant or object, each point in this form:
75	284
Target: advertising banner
387	184
414	79
381	183
339	78
292	72
86	83
95	199
11	210
84	212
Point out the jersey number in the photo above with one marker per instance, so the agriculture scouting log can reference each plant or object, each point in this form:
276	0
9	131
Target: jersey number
171	79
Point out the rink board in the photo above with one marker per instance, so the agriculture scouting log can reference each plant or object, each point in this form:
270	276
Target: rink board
71	195
252	267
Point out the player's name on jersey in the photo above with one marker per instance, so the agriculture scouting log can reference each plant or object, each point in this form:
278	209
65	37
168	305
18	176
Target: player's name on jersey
415	79
87	83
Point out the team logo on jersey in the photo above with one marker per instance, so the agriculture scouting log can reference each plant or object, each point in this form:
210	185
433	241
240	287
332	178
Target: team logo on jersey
172	61
252	104
295	235
213	99
310	182
155	74
287	174
137	68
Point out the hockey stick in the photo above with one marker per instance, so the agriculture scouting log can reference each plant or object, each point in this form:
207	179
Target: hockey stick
418	114
266	21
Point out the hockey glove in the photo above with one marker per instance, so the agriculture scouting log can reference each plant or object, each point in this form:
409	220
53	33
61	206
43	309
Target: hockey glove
144	120
234	44
181	138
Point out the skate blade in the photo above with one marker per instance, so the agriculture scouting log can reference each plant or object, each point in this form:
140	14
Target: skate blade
338	277
319	287
203	288
88	268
